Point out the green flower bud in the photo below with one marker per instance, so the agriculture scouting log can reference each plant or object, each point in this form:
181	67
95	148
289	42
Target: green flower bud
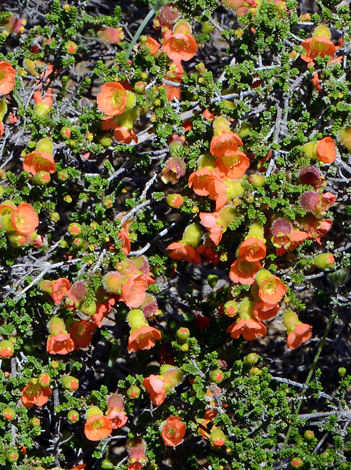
71	47
324	261
192	235
216	376
65	132
35	422
108	202
45	145
8	413
12	456
88	307
342	371
296	462
44	379
105	140
251	359
6	349
308	435
255	371
93	410
212	280
74	229
70	383
231	308
106	464
42	178
73	416
54	217
63	175
182	334
133	392
217	437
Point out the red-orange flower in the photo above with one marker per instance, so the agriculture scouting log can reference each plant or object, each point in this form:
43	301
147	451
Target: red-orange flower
143	338
82	332
115	411
133	290
59	289
152	45
112	99
301	334
263	311
326	150
252	249
173	431
35	394
182	252
233	166
180	46
272	290
62	343
243	271
24	219
39	161
225	144
154	385
317	47
199	180
97	427
7	77
249	328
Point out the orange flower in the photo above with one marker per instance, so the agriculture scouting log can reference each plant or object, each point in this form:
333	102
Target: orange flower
297	237
301	334
154	385
61	343
59	288
233	166
182	252
249	328
199	180
7	77
317	47
39	161
263	311
152	45
125	136
218	222
1	129
180	46
326	150
133	290
143	338
112	35
252	249
24	219
173	431
209	254
317	228
82	332
35	394
97	427
225	144
115	411
47	100
272	290
243	271
112	99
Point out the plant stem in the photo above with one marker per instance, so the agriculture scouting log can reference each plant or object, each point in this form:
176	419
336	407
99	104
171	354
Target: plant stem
311	372
141	28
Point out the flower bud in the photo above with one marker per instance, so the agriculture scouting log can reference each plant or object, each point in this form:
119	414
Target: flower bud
74	229
133	392
231	308
324	261
174	200
41	109
262	275
136	319
8	413
220	125
54	216
68	199
256	231
6	349
342	371
257	181
217	437
107	202
73	416
296	462
35	422
69	383
63	176
172	377
44	379
216	376
12	456
308	435
251	359
255	371
105	140
45	145
212	280
88	307
65	132
70	47
290	320
42	178
182	334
